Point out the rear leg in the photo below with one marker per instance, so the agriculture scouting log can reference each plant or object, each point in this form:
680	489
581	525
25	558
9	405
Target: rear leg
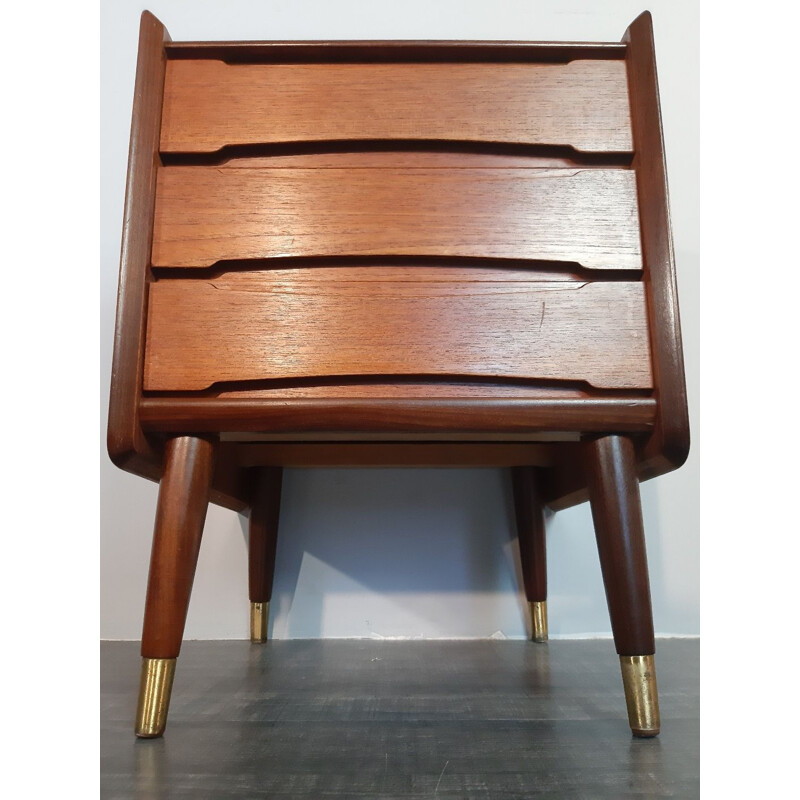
263	543
532	546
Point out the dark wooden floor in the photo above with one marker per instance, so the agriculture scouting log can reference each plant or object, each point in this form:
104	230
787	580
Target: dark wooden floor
362	719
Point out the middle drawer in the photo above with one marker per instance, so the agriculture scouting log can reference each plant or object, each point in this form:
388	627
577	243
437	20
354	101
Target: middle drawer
205	214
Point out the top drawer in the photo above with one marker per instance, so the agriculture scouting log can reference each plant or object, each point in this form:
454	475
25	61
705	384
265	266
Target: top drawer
210	105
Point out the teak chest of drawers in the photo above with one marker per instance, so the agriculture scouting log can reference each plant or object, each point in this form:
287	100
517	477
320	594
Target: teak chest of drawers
397	253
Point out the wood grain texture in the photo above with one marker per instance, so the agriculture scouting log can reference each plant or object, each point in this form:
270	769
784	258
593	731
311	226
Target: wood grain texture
253	272
453	409
209	104
182	504
207	214
290	326
529	514
127	445
394	386
393	454
400	416
263	539
610	466
669	446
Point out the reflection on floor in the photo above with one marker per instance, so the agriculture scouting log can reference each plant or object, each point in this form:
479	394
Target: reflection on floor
410	719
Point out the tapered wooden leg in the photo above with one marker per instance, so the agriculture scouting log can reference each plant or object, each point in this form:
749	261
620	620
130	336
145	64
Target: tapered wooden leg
610	464
182	504
263	542
532	547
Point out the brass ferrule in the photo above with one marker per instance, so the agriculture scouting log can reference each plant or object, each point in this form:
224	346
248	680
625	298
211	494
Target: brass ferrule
641	694
539	620
155	689
259	617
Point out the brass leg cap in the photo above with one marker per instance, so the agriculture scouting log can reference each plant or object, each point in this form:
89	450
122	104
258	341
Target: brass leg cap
641	694
155	689
259	617
539	620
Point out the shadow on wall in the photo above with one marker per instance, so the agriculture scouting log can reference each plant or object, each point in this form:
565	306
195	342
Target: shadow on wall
363	535
426	553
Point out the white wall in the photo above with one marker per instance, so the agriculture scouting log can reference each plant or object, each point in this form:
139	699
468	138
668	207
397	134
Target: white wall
404	552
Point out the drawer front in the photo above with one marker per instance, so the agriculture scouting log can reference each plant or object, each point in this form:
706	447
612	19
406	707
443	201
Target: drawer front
269	163
209	105
206	214
301	324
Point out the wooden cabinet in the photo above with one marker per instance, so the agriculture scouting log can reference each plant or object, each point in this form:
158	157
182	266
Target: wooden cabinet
397	253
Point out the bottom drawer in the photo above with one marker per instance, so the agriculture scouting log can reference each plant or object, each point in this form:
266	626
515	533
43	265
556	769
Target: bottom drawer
306	323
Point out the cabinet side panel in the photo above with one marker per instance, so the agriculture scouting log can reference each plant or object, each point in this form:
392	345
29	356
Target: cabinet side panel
127	445
669	445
